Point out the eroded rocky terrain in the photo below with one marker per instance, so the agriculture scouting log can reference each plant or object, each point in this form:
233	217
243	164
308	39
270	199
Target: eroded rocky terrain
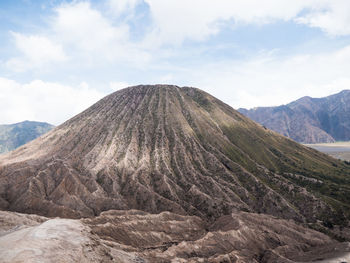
219	176
136	236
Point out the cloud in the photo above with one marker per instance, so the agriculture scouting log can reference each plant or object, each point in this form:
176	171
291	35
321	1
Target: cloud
93	37
43	101
178	20
89	41
86	28
122	6
175	21
270	80
37	52
333	17
118	85
81	35
89	36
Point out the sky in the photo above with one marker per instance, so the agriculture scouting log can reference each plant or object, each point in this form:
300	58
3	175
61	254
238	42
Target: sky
59	57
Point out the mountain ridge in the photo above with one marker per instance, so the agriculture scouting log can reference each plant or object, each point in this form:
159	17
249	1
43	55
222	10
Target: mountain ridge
15	135
308	120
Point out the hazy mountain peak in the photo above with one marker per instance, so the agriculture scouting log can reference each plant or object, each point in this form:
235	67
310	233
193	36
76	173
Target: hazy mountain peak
14	135
308	120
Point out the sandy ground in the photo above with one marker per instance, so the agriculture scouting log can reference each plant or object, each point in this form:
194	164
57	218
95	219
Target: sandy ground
339	150
334	144
341	259
55	240
38	243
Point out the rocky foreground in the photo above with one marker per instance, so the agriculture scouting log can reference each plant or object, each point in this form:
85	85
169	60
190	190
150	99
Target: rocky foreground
136	236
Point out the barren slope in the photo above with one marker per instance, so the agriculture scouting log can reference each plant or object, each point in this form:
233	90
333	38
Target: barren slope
135	236
165	148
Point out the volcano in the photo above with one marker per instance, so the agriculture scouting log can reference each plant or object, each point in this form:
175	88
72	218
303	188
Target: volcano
168	174
165	148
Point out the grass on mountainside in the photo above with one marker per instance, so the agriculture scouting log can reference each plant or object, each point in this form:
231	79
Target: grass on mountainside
251	145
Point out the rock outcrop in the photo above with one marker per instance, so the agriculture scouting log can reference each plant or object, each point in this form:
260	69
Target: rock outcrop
136	236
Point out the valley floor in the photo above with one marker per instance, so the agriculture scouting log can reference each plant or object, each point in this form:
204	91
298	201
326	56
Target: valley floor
339	150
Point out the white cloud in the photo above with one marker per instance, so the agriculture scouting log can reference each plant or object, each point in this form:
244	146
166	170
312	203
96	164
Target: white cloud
37	51
118	85
122	6
80	25
270	80
88	37
93	38
177	20
43	101
333	17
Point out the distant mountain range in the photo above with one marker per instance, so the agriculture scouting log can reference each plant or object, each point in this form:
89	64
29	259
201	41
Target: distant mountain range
308	120
14	135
